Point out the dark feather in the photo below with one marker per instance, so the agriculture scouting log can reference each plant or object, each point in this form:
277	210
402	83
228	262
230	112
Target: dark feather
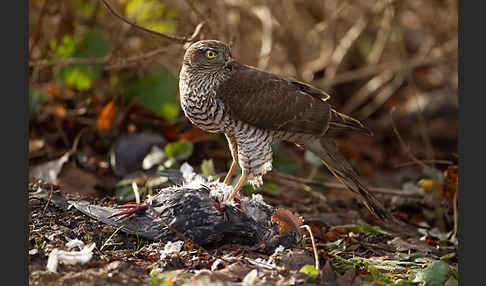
273	102
337	164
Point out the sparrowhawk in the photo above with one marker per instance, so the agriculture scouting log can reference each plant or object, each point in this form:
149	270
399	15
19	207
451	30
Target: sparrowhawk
254	108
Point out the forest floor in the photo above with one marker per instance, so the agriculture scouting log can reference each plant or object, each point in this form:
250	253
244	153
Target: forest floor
351	248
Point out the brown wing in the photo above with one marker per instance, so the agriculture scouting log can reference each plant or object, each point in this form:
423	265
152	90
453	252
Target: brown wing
269	101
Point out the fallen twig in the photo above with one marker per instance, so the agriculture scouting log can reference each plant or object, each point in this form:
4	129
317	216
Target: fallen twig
314	248
49	199
404	164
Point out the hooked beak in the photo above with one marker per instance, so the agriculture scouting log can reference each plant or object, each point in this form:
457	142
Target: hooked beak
228	64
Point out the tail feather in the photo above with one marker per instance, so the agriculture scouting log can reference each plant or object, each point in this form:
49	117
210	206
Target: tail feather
327	151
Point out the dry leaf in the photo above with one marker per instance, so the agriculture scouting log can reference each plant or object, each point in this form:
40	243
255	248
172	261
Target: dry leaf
287	221
106	117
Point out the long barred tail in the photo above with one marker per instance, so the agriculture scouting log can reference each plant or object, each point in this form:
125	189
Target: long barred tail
327	151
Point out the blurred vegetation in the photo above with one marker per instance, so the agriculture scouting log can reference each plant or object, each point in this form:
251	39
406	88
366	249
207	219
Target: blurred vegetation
90	70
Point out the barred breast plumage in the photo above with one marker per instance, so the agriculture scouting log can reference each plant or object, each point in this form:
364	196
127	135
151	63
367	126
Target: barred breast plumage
201	106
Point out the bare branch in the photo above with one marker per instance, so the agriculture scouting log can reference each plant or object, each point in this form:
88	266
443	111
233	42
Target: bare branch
263	13
192	38
116	63
344	45
393	66
366	91
38	27
404	145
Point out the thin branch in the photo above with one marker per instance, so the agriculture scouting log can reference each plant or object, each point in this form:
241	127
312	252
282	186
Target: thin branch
38	27
344	45
404	145
382	36
366	91
68	61
404	164
371	70
48	199
264	15
117	63
382	97
385	191
120	63
194	35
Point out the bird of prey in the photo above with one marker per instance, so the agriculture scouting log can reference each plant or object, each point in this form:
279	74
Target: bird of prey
254	108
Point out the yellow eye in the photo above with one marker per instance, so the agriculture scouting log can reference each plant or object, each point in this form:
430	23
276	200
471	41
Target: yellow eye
210	54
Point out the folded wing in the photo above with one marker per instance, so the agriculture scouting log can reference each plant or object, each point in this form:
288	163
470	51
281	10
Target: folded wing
269	101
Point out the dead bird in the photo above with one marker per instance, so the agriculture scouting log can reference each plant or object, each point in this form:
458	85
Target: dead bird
197	211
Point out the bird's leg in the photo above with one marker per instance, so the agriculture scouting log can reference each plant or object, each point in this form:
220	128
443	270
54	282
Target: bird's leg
230	172
129	209
233	146
238	187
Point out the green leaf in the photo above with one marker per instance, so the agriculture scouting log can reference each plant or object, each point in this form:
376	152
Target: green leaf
338	245
81	77
310	270
448	256
162	279
92	45
155	91
85	7
282	163
67	47
123	189
207	168
271	189
179	150
124	193
36	99
374	272
434	274
153	15
451	282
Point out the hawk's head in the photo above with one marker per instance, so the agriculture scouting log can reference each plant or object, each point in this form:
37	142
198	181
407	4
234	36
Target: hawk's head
209	55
